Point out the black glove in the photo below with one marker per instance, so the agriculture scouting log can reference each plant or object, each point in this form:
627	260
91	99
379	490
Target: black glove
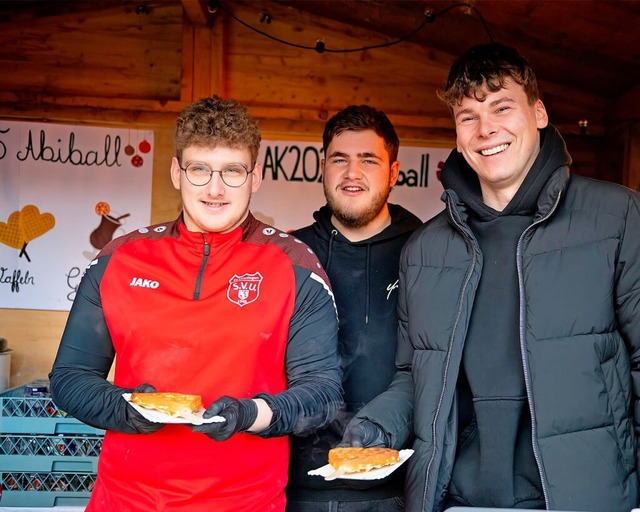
364	434
139	422
145	388
239	416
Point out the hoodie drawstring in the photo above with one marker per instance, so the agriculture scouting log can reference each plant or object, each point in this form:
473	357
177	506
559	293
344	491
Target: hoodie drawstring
367	278
334	232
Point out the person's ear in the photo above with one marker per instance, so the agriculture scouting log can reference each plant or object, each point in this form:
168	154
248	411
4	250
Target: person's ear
394	171
256	177
542	118
175	173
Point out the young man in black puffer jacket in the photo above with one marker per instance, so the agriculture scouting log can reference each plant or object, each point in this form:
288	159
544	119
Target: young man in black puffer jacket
519	348
358	237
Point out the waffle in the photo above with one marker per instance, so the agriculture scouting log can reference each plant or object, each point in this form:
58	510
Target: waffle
174	404
356	460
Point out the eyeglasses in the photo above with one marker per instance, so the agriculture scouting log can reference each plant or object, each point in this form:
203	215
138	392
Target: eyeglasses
234	175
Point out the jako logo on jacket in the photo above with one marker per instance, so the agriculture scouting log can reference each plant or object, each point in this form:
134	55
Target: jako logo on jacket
144	283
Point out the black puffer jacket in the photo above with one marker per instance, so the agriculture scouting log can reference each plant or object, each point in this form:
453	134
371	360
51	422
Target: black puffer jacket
579	287
364	279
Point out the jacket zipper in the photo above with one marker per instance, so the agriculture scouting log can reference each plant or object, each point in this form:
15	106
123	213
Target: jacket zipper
523	352
467	279
196	292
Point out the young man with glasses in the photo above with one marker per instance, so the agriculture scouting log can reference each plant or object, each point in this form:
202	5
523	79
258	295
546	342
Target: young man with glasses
216	304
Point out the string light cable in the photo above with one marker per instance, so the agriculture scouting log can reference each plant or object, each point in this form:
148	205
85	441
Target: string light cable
320	47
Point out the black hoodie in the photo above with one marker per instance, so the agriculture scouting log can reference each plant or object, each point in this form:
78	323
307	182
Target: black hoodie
364	279
494	463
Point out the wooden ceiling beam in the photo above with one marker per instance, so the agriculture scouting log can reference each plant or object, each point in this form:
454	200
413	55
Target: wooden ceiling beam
203	56
124	111
197	11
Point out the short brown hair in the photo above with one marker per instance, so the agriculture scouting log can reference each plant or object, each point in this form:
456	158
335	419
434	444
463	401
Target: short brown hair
216	122
358	118
488	65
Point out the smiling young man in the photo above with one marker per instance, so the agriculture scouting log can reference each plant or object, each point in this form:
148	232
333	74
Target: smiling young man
215	207
499	137
358	177
519	349
357	237
239	313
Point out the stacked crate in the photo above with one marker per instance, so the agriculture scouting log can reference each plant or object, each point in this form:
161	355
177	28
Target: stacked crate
47	458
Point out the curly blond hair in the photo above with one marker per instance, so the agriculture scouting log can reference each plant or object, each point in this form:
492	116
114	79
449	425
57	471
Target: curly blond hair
216	122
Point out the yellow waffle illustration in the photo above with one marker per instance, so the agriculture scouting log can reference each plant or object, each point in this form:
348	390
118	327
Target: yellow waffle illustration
10	231
23	226
33	223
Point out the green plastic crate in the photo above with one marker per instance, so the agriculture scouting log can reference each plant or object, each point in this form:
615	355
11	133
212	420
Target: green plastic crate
56	453
47	458
21	414
22	489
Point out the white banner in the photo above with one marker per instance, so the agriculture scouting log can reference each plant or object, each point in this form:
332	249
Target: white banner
65	191
292	183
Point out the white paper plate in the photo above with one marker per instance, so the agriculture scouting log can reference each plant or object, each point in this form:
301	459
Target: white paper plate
162	417
375	474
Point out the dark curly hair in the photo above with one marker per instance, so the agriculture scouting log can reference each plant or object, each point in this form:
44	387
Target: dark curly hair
488	66
216	122
358	118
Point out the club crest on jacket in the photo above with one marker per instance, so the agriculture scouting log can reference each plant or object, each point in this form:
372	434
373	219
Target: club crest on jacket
244	289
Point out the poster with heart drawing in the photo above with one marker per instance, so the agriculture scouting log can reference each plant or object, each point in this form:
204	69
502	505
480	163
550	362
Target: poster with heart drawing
65	192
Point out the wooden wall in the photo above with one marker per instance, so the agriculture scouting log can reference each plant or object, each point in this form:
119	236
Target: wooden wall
108	64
